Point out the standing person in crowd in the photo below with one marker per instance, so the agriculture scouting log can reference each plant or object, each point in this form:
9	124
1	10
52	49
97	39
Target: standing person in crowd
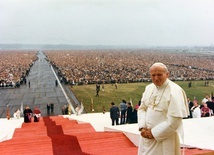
63	110
48	108
115	85
129	113
36	114
163	105
97	89
27	114
56	83
123	108
114	113
196	111
103	87
8	113
190	104
16	114
29	83
210	104
190	84
134	114
66	109
205	99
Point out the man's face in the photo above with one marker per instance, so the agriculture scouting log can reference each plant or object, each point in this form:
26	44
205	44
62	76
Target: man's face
158	75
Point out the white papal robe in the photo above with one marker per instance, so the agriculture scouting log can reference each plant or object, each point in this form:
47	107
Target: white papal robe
161	110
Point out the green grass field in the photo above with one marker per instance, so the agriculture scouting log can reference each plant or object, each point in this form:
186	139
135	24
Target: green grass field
133	91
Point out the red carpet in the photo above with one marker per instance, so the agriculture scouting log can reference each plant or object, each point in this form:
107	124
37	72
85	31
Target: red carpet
97	143
60	136
56	135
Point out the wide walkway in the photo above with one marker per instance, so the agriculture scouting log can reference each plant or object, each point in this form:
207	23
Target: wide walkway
40	92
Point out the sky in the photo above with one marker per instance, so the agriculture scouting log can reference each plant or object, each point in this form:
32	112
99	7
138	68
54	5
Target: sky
108	22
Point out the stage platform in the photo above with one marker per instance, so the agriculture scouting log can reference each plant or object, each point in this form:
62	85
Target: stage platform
198	132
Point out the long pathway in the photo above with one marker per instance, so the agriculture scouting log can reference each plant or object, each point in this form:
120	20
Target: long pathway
42	90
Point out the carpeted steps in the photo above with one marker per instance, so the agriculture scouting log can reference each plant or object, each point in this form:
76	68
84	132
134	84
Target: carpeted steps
56	135
44	137
100	143
96	143
60	136
72	127
62	144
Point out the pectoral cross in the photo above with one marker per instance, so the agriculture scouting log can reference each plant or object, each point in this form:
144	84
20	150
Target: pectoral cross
153	104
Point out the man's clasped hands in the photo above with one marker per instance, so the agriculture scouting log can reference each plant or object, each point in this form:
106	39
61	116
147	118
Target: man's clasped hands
146	133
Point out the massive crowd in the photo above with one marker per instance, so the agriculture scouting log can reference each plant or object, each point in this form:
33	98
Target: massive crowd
15	66
106	66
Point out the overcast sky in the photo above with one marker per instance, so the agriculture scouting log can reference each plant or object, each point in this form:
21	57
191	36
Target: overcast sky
108	22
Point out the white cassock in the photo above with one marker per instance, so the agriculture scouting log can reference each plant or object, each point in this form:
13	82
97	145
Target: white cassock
161	110
196	112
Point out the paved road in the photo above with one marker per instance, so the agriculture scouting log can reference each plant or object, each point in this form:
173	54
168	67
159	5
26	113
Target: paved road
42	91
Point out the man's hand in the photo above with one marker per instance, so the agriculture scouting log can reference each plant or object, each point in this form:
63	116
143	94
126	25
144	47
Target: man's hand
143	132
146	133
149	134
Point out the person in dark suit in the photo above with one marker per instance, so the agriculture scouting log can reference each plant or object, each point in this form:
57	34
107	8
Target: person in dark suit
190	103
210	105
48	108
56	83
29	84
27	114
97	90
129	113
114	113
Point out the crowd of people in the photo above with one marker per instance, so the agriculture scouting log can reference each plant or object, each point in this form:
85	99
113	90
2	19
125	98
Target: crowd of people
205	108
15	66
28	114
163	104
126	113
106	66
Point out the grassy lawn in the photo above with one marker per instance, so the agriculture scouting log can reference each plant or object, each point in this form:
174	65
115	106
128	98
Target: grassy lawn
133	91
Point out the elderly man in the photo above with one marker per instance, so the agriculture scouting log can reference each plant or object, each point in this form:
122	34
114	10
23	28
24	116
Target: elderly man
163	105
